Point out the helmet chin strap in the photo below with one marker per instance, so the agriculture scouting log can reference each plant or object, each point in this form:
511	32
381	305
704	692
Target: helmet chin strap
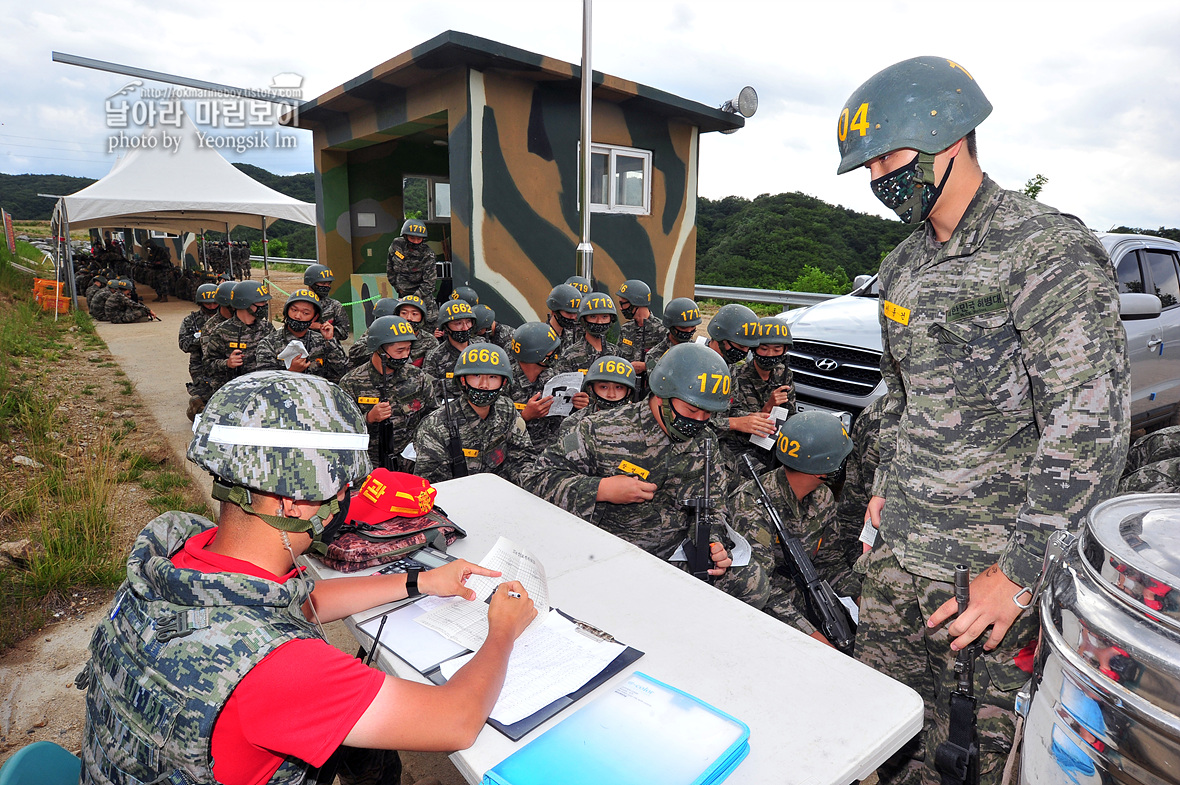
242	497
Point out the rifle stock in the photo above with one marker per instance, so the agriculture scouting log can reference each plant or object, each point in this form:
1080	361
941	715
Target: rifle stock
820	603
697	547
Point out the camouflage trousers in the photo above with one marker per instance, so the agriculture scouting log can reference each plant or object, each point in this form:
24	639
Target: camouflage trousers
892	637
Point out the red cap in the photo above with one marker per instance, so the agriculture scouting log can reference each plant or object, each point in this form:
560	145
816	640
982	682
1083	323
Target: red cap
385	494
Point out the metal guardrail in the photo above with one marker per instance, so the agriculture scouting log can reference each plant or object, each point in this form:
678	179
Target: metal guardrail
285	260
760	295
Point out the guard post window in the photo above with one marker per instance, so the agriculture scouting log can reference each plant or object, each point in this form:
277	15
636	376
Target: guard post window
620	180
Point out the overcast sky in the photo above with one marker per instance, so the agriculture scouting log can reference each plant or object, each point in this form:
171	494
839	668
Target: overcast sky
1085	93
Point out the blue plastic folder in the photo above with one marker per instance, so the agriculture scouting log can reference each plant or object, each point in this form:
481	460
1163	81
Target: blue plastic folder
643	732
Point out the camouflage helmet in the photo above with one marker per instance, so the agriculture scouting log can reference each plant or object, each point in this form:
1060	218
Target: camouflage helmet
774	331
466	293
317	273
812	443
564	297
247	293
414	228
303	295
483	358
206	293
225	291
386	306
411	299
455	310
924	103
534	341
610	368
695	374
290	434
635	292
388	329
484	317
598	303
682	313
737	324
579	282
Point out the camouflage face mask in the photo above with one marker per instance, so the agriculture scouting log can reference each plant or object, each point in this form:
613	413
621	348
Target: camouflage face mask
481	397
565	322
768	363
597	329
682	336
732	352
391	365
911	186
628	311
459	336
297	325
603	403
322	289
680	428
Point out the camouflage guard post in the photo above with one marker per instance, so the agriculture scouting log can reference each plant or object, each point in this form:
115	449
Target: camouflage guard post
629	470
999	316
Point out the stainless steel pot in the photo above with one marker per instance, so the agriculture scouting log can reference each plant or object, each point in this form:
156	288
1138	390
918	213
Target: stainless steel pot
1106	690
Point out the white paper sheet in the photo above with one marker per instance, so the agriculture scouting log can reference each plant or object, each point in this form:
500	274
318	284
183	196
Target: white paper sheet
563	387
779	415
415	644
547	662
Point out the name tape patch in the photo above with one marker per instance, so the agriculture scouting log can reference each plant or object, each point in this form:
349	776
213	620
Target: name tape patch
630	468
896	313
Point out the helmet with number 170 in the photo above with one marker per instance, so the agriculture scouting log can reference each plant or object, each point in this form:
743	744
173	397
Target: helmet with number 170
924	103
813	443
695	374
536	343
413	228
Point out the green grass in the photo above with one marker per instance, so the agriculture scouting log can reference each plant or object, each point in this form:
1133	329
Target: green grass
762	309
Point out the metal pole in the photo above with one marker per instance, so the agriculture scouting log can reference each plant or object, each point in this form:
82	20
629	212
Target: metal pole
585	260
229	249
265	266
69	257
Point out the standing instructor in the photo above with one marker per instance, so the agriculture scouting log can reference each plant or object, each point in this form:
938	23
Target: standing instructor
1008	409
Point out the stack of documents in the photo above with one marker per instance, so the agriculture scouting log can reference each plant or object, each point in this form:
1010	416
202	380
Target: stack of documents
641	733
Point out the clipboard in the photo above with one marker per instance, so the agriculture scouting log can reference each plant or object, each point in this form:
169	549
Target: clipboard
442	650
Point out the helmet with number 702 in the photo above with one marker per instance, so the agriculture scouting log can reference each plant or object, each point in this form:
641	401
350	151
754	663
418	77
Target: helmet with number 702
812	443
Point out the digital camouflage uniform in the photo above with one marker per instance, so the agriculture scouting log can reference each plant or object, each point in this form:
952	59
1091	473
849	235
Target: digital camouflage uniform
190	342
860	468
142	679
410	393
97	304
579	354
226	337
812	520
1007	420
635	340
327	358
441	361
410	270
332	311
543	430
119	309
1155	446
1162	476
629	440
499	445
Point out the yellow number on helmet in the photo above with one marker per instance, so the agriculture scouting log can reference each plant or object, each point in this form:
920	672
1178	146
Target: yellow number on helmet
860	120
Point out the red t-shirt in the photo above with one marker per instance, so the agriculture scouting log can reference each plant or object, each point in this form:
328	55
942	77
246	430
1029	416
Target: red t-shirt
301	700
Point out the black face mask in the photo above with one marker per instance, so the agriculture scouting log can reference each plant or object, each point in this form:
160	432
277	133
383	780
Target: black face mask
732	352
596	329
459	336
297	325
391	365
209	308
682	336
565	322
481	397
768	363
322	289
680	428
628	311
414	325
260	311
549	359
912	186
603	403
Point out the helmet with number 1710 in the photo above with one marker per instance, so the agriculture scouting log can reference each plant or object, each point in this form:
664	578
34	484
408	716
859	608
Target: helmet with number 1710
812	443
774	332
695	374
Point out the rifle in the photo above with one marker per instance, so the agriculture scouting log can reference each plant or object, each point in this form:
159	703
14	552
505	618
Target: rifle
820	604
641	378
697	547
454	444
385	458
957	758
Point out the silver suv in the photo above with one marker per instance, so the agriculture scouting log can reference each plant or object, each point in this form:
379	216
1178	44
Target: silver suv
836	359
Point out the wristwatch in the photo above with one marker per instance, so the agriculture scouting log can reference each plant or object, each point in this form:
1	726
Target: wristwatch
412	583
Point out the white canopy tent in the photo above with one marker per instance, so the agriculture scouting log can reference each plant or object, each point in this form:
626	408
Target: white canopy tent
190	189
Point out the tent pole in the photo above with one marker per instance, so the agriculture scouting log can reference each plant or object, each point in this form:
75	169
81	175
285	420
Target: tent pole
204	252
229	249
265	266
69	259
